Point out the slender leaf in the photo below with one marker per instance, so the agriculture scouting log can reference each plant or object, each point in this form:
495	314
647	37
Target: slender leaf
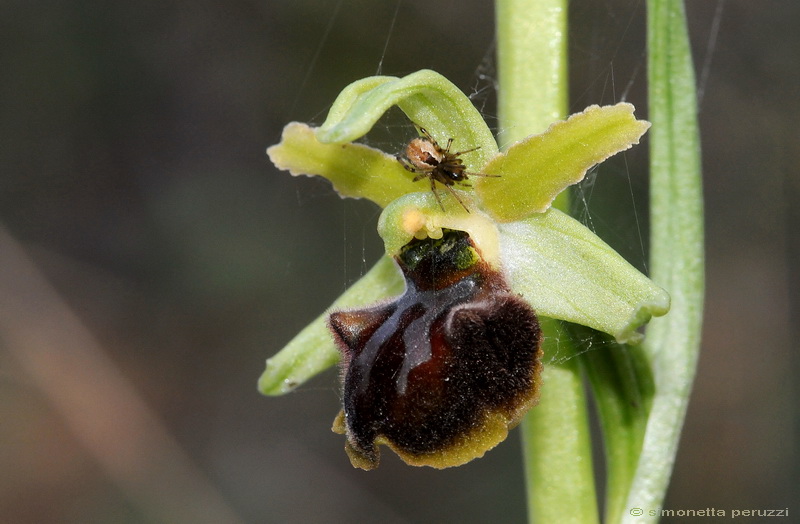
622	386
672	344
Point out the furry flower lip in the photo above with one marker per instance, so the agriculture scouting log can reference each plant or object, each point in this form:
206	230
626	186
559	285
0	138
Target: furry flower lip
442	372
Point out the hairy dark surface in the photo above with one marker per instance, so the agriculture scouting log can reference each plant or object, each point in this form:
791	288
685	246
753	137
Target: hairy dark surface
423	370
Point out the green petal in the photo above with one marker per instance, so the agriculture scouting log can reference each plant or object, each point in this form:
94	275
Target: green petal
565	271
355	170
426	97
312	350
535	170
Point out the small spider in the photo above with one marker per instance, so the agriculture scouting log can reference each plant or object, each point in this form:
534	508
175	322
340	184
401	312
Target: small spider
426	158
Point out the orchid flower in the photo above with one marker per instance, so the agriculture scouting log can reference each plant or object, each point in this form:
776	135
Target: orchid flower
540	256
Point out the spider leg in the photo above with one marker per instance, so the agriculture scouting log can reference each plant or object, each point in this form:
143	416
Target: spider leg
481	174
433	190
427	135
465	151
452	192
406	164
447	149
433	141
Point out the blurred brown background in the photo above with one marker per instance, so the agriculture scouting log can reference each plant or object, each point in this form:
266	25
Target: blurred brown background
133	174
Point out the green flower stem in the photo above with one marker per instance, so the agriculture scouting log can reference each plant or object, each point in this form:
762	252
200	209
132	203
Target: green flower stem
557	448
677	259
532	66
532	70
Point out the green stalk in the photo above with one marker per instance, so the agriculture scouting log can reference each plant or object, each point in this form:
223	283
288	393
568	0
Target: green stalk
677	258
532	66
556	439
532	71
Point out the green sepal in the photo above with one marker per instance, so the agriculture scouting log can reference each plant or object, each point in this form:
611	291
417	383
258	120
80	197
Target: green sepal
535	170
313	350
567	272
427	98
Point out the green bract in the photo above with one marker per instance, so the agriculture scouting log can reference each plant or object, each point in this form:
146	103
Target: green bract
558	265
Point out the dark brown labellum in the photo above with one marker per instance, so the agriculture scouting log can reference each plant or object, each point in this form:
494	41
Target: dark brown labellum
442	372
